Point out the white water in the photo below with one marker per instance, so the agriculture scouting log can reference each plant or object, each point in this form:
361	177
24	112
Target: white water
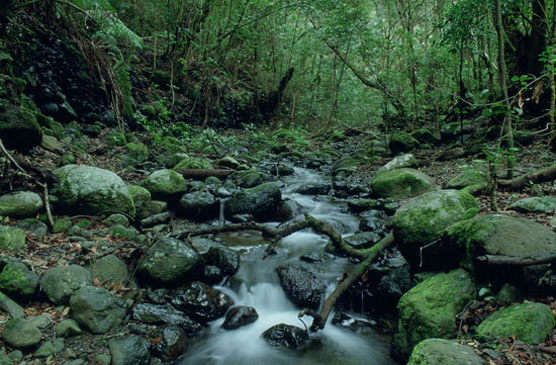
260	289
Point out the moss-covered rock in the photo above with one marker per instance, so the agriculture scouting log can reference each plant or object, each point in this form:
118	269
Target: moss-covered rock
422	219
21	204
538	204
262	202
109	269
401	183
60	282
429	310
530	322
97	309
20	333
469	177
251	178
165	184
62	225
437	351
18	280
403	161
19	127
402	142
138	152
90	190
141	199
193	163
12	238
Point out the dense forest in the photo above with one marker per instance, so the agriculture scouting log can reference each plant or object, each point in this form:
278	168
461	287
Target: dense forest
248	181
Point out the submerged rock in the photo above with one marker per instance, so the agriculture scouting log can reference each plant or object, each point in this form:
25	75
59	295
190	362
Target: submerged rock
239	316
202	302
301	284
445	352
401	183
283	335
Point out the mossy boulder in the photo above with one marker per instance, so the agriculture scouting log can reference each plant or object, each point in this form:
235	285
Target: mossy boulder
262	202
21	204
530	322
21	333
401	184
19	128
229	162
193	163
538	204
12	238
469	177
165	184
138	152
421	220
60	282
402	142
406	160
429	310
90	190
141	199
97	309
109	269
251	178
437	351
16	279
169	262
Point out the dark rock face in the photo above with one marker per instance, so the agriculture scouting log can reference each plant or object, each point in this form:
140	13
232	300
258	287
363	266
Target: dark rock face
313	189
225	259
239	316
261	201
158	314
301	284
202	302
283	335
173	342
19	128
389	280
199	206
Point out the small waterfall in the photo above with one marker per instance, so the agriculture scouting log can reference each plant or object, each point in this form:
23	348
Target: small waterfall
221	218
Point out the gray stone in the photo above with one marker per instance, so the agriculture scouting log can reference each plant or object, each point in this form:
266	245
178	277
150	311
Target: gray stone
544	204
11	307
34	226
156	219
20	333
97	309
109	269
41	322
45	349
21	204
141	199
60	282
399	162
117	218
90	190
436	351
66	328
129	350
165	184
169	261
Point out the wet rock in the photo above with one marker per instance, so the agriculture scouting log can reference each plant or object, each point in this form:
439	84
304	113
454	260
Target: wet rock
129	350
97	309
226	259
445	352
314	258
358	325
12	238
16	279
109	269
403	161
251	178
402	142
283	335
544	204
60	282
154	220
20	333
420	221
239	316
158	314
199	206
66	328
168	262
429	310
261	202
301	284
530	322
361	205
201	302
173	342
165	184
313	189
21	204
363	239
90	190
212	274
373	221
388	281
401	183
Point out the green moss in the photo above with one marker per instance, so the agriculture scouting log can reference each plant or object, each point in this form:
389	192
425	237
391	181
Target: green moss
137	151
84	223
194	163
11	238
115	139
436	351
401	183
530	322
61	225
16	278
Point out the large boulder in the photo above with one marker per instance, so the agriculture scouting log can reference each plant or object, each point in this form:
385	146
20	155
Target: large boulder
401	183
537	204
165	184
402	142
261	202
301	284
399	162
90	190
199	206
429	310
529	322
437	351
421	220
201	302
21	204
169	262
497	234
97	309
19	128
60	282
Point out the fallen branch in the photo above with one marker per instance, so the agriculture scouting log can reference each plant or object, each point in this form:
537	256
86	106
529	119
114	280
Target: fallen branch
203	173
544	175
319	319
546	258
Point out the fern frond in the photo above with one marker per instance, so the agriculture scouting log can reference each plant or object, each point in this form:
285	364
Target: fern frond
111	26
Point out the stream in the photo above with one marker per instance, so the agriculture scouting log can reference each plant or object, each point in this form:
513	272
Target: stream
256	284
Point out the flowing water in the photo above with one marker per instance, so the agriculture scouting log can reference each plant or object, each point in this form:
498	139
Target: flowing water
256	284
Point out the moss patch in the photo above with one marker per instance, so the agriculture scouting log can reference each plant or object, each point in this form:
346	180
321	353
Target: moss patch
401	183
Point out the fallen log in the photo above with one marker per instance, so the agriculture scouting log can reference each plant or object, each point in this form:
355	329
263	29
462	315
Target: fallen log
203	173
544	175
546	258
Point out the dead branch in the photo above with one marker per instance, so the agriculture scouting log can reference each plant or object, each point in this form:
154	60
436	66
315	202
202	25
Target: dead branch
546	258
540	176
